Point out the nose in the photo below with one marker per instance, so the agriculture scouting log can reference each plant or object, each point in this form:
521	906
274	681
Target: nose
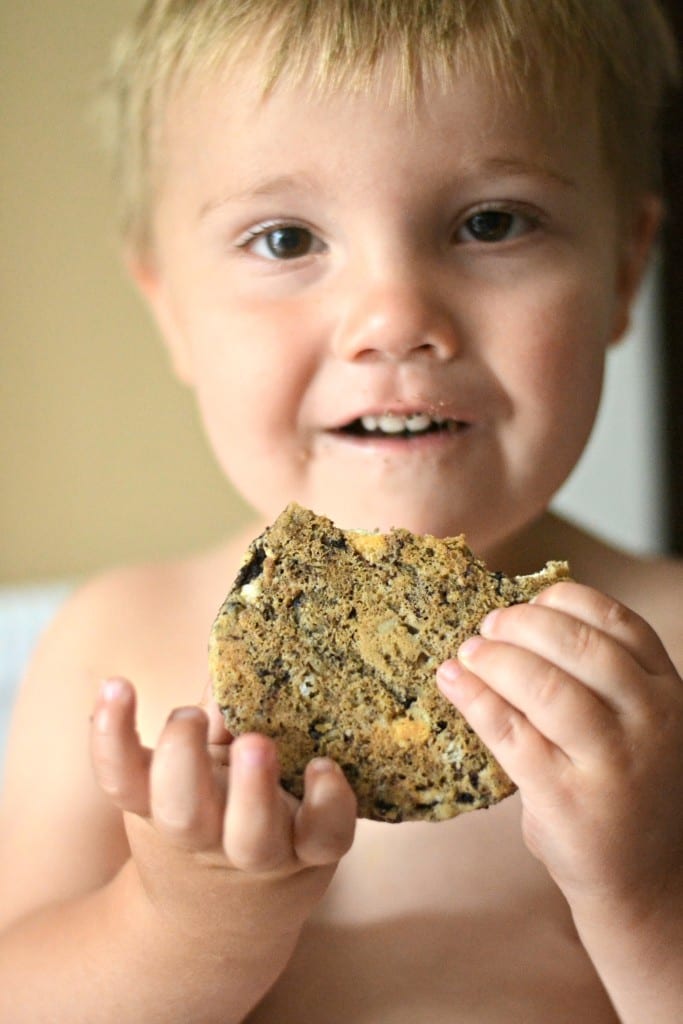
396	321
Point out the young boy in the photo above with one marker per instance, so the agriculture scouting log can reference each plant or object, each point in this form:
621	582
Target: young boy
388	247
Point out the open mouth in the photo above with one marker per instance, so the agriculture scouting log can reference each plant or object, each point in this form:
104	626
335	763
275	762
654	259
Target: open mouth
392	425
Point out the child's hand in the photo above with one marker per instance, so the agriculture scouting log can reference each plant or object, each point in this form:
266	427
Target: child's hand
202	802
577	698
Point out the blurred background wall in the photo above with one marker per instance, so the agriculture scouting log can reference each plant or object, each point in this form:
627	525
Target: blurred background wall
101	457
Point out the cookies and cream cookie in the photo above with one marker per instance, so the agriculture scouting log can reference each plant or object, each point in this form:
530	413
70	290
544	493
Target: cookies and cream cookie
329	642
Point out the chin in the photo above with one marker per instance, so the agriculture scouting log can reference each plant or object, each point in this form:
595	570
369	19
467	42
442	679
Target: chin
378	512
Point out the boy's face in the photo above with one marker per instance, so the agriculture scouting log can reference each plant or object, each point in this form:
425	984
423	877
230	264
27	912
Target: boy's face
394	320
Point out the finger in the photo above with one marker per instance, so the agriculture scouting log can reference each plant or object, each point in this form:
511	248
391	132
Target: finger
564	710
186	799
574	646
120	762
258	824
326	819
218	734
611	618
529	758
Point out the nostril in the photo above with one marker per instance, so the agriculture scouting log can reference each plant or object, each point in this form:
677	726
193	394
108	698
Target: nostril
398	323
397	350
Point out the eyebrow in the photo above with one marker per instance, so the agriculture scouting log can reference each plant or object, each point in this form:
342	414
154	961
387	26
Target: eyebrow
302	184
271	186
520	168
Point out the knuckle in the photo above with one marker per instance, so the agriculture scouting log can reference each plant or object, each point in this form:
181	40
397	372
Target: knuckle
110	783
192	828
553	595
178	822
549	686
327	847
256	859
321	853
340	842
259	847
107	769
616	617
506	729
584	640
118	789
659	718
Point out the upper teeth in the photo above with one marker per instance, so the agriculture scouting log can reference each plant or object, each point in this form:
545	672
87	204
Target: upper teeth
390	423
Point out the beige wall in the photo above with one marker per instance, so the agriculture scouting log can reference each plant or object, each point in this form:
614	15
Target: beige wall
101	459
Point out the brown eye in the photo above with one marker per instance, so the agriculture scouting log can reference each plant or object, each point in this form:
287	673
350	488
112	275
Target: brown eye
278	241
495	225
491	226
288	243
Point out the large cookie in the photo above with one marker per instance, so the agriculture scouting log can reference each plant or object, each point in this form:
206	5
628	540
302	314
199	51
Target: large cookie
329	642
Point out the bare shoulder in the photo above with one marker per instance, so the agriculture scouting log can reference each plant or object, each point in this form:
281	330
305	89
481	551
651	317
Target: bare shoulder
148	623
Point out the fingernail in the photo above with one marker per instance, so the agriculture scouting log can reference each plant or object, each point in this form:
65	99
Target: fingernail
470	648
323	766
113	689
255	755
449	678
188	713
488	623
449	671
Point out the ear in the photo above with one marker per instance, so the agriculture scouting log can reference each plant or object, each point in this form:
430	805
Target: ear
149	281
637	241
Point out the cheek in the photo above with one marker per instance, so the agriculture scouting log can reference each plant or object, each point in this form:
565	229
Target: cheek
564	372
555	377
244	435
236	365
235	403
568	329
249	388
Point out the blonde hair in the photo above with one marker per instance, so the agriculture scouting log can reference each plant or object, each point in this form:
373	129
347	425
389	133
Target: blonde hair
540	47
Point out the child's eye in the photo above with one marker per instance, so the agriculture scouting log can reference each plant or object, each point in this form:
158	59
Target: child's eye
281	242
494	226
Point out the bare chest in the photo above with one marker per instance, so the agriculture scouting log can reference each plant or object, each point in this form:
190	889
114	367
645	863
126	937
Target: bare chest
440	923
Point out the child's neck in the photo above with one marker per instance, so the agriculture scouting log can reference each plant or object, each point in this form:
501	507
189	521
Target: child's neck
543	540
